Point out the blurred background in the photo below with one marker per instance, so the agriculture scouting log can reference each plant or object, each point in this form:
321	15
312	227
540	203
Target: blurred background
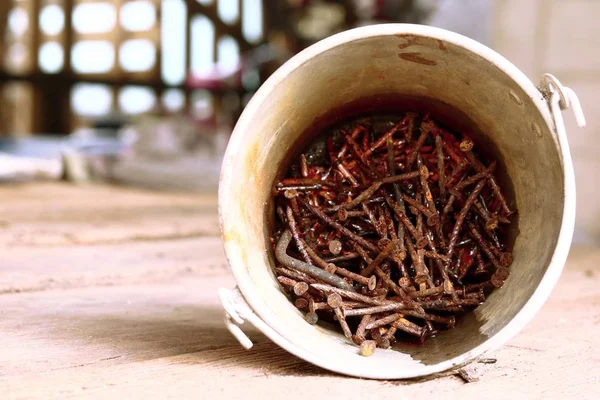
146	92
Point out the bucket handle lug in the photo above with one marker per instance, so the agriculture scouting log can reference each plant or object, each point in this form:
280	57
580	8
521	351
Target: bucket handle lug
561	98
238	311
235	306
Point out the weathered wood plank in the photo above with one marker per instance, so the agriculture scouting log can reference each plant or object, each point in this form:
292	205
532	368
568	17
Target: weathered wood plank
62	214
169	339
26	269
66	329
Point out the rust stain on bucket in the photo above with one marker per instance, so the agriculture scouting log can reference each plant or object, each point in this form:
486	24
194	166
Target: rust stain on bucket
410	40
416	58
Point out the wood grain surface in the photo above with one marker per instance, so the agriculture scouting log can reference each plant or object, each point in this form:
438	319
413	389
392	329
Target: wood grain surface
109	292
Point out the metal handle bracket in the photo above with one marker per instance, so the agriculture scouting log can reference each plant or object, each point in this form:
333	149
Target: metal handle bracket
551	87
235	308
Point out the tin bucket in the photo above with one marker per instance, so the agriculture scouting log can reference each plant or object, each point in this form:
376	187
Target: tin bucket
523	122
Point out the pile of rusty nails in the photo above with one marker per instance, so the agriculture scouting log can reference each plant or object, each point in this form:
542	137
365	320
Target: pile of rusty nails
395	233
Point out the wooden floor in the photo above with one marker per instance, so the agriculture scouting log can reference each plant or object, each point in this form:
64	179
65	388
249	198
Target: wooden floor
111	293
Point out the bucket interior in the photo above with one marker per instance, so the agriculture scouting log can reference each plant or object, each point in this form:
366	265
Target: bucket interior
499	111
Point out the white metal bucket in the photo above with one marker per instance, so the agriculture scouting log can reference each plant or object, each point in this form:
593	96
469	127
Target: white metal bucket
522	121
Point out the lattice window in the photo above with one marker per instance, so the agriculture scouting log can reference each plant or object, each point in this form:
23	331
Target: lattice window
66	62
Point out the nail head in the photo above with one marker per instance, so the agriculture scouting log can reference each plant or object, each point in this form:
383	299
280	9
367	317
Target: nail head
505	259
312	318
502	273
301	303
367	348
300	288
383	243
331	268
335	247
334	300
372	283
466	145
290	193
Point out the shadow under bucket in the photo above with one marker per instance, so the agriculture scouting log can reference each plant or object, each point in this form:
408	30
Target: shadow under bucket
506	111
